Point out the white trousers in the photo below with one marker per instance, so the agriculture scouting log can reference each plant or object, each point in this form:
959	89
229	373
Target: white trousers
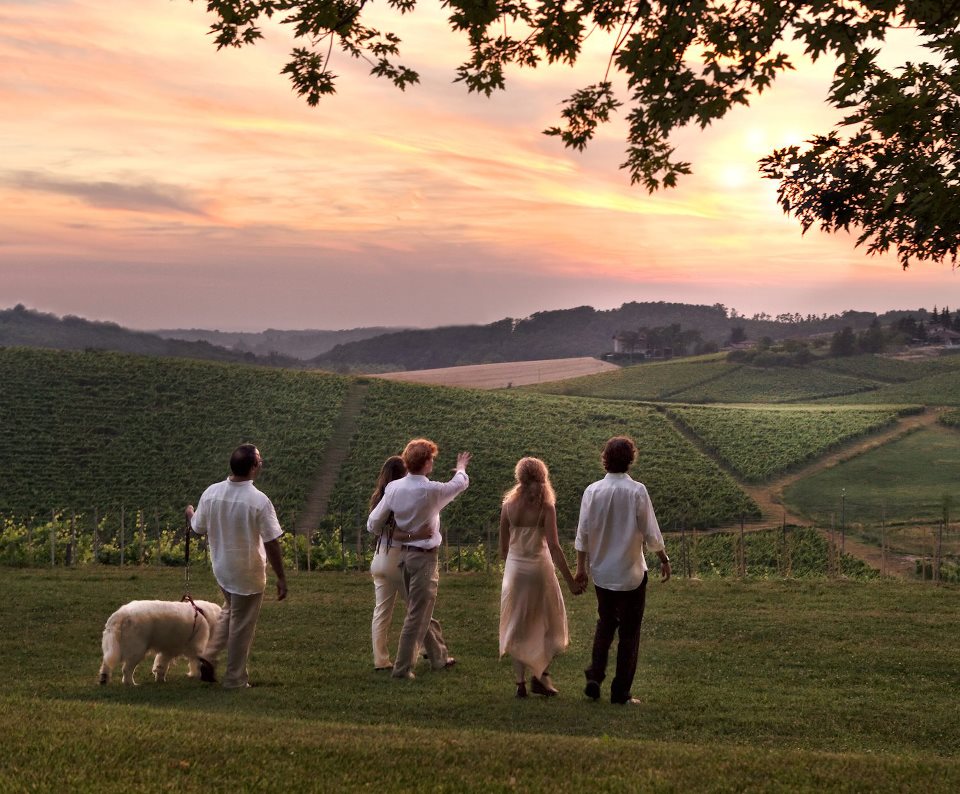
234	631
387	585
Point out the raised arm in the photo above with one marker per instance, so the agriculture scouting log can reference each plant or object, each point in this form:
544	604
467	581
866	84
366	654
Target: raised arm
556	552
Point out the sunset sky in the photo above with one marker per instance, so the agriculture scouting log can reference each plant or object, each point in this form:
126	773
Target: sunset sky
148	179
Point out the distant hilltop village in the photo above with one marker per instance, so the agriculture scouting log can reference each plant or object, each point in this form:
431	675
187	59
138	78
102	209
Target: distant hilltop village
938	333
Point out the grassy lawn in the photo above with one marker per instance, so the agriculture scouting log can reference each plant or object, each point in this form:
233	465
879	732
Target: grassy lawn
904	480
776	685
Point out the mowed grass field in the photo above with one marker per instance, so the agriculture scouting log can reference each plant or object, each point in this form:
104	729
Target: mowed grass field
746	685
905	480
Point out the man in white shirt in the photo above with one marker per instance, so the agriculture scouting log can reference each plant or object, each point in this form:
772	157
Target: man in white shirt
243	531
416	503
616	521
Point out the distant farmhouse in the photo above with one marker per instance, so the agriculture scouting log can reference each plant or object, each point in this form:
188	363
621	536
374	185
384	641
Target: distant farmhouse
945	337
634	346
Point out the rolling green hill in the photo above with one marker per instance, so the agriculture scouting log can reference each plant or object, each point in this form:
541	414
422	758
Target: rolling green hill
101	430
655	381
760	443
711	379
104	430
568	433
942	388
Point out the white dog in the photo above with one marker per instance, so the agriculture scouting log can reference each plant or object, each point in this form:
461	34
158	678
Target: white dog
169	628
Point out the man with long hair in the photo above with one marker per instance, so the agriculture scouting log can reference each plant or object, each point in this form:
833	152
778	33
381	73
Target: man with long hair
415	502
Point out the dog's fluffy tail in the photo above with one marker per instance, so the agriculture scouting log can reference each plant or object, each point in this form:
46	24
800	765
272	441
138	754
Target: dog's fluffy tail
111	647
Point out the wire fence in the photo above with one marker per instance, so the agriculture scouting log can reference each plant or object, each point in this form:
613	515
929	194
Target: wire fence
832	547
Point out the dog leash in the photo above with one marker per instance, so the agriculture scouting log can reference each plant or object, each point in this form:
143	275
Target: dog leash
186	566
197	613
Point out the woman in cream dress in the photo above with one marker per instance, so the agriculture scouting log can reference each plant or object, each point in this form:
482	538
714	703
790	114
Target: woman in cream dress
533	619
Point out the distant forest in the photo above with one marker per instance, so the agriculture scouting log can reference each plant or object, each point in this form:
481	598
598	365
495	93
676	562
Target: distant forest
564	333
23	327
583	331
304	344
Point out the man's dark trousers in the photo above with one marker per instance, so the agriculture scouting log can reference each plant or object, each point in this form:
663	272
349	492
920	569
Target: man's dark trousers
623	610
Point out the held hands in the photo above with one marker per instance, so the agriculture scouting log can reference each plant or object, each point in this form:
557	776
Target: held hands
580	580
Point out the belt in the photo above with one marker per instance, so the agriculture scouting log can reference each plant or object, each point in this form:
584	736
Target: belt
405	547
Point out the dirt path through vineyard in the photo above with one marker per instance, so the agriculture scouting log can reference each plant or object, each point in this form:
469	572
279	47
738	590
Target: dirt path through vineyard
769	496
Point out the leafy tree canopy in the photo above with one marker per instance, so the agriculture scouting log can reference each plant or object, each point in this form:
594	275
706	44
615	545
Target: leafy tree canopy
891	171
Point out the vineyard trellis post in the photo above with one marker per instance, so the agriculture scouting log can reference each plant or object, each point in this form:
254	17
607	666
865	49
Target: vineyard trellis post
486	548
122	535
782	551
359	548
883	539
695	564
788	545
309	550
459	553
940	530
936	562
833	560
96	535
156	521
142	531
843	520
685	550
742	551
296	543
446	552
53	538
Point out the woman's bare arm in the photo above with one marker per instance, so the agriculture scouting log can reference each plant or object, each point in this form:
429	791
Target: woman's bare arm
556	552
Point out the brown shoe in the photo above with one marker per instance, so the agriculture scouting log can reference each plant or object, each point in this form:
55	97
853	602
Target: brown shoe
543	686
521	689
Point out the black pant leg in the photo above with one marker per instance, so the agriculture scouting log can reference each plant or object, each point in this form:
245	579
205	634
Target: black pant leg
608	620
628	647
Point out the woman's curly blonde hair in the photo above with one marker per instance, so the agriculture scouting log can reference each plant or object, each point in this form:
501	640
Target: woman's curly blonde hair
532	483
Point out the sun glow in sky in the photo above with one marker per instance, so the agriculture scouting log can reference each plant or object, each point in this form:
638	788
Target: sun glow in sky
148	179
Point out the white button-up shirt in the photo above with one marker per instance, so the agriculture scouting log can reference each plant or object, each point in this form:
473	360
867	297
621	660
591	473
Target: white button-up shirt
616	520
416	501
238	519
